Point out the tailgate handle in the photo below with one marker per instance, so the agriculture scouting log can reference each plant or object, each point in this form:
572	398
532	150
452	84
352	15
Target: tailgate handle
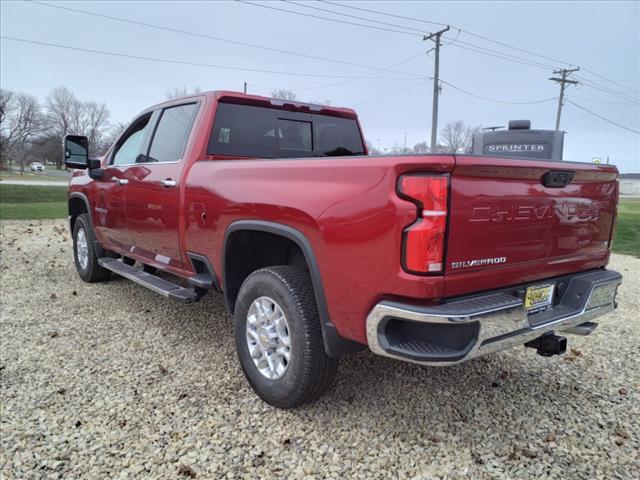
557	178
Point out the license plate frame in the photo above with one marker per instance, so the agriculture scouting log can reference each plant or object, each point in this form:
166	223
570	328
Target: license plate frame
538	298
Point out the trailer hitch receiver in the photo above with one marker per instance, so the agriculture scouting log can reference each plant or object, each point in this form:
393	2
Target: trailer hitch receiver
548	345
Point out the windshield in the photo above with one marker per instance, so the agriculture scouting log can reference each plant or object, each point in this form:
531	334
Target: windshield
249	131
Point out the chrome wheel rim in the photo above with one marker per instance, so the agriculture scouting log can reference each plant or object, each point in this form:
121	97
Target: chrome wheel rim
267	333
82	249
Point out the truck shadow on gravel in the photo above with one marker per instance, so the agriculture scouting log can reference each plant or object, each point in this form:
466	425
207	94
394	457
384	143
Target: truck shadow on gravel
513	383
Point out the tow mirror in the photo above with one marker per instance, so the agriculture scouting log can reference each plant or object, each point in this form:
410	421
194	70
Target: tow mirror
76	151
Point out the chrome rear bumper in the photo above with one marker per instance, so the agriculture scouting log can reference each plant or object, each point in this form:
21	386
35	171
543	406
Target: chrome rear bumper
466	328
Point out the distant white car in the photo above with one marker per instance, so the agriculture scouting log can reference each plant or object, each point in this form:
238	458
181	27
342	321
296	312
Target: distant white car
37	167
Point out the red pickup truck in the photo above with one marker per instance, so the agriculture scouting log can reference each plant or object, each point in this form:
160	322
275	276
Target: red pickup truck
321	250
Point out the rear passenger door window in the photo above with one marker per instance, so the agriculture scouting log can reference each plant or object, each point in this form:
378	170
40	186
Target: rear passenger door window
171	135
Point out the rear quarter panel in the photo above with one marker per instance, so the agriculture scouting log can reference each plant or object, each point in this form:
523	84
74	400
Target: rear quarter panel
345	206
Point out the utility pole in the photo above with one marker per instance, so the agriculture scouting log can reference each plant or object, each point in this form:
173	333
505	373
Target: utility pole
436	87
245	87
404	150
564	73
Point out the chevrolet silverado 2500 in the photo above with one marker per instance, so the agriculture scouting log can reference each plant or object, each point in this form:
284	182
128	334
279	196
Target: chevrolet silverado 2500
321	250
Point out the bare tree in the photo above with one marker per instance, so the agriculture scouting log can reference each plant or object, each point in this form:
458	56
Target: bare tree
110	138
422	147
68	115
457	137
22	124
61	109
284	94
6	102
94	121
371	148
290	96
7	105
177	92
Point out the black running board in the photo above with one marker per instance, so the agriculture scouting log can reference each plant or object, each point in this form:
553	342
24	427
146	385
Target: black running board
159	285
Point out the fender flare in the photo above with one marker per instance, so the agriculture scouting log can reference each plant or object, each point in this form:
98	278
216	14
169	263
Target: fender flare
87	205
97	248
334	344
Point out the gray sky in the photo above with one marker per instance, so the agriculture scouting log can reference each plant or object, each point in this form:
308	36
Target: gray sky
603	37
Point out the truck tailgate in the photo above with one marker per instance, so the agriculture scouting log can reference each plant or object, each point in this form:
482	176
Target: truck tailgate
514	221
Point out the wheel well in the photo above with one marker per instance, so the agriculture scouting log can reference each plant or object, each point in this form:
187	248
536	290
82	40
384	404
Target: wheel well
249	250
76	207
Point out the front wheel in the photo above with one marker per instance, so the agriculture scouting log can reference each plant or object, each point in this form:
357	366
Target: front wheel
279	339
84	254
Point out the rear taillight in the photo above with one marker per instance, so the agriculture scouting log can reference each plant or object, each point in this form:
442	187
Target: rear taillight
423	240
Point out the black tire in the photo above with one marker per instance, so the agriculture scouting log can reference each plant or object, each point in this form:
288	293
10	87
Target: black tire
92	271
310	371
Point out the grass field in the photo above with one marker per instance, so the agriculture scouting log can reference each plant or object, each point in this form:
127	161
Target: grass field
24	202
35	202
627	238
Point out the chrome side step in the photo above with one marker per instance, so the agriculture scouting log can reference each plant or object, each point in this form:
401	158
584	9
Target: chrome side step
159	285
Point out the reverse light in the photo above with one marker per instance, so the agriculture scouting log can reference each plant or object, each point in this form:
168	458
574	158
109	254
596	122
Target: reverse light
423	240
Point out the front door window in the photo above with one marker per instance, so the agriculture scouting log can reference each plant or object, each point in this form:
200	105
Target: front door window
129	146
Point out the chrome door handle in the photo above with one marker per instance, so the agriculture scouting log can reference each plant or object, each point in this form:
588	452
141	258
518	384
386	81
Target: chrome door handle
120	181
168	183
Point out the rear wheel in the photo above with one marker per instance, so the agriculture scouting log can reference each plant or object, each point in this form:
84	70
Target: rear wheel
278	337
84	254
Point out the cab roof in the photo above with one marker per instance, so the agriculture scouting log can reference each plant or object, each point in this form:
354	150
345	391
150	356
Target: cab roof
228	96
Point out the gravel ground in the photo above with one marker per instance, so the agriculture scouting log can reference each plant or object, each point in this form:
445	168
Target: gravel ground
112	381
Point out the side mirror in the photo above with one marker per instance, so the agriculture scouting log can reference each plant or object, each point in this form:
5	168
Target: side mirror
76	151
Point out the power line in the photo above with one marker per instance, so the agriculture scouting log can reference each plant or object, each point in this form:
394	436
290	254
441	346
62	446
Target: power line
505	56
326	18
608	90
603	118
597	100
482	37
494	100
179	62
397	92
455	42
610	81
383	13
348	79
404	27
458	43
342	82
368	75
455	39
209	37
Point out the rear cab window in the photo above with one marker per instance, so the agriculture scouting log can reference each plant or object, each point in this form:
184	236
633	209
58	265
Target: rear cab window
252	131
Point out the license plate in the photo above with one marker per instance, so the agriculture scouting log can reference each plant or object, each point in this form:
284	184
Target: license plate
538	298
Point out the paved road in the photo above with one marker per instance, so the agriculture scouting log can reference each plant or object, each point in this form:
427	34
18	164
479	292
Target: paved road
49	172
